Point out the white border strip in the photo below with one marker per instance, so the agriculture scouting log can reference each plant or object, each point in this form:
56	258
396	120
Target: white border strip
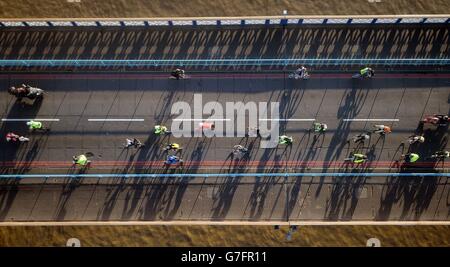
287	119
189	21
13	23
61	23
371	120
201	119
34	119
206	22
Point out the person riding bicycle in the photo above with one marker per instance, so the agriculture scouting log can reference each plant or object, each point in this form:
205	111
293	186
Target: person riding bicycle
34	125
357	158
382	129
15	137
239	148
81	160
285	140
441	154
178	73
172	146
361	137
410	157
436	119
171	159
442	119
19	92
12	137
416	138
301	72
320	127
206	125
367	72
133	142
161	130
431	119
239	151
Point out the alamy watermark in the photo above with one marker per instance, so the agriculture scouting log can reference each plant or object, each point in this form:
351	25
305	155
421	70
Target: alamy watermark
228	121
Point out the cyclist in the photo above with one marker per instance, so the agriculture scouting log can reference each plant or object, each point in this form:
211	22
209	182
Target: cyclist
171	159
133	142
382	129
172	146
239	151
441	154
367	72
410	157
15	137
436	119
357	158
161	130
361	137
431	119
207	125
285	140
320	127
80	160
19	92
178	73
301	72
35	125
416	138
443	119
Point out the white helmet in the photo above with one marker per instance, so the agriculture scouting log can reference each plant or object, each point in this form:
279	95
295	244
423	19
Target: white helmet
28	123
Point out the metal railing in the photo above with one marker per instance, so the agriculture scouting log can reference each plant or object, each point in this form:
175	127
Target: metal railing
225	62
225	21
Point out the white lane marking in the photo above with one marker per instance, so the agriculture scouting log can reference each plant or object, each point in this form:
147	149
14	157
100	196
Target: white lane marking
371	120
34	119
287	119
201	119
105	120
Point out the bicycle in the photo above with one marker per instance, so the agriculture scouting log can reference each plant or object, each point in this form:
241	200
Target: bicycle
175	147
356	158
239	152
297	76
133	142
441	155
161	130
416	138
319	127
361	137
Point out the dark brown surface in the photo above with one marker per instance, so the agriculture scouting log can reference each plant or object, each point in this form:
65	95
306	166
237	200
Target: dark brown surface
233	236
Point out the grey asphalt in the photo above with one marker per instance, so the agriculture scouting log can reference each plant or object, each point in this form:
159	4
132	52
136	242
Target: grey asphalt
315	41
329	100
264	199
77	97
